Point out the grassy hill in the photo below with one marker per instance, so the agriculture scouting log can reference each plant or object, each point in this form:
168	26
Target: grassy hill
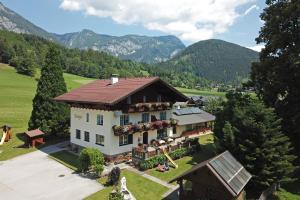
17	92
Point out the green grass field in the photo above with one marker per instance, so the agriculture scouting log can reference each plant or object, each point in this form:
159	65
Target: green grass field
66	158
187	162
139	186
192	92
17	92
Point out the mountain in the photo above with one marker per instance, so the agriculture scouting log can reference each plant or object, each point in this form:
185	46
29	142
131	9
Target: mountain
133	47
130	47
11	21
215	60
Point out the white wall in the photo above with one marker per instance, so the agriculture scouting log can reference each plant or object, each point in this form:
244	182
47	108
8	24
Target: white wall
111	142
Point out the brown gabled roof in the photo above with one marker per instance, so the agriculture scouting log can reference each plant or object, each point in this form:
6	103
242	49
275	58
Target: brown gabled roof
103	92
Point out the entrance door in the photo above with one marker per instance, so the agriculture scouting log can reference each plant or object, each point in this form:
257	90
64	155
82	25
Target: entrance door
145	138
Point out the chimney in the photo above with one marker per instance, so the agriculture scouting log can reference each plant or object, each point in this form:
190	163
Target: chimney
114	78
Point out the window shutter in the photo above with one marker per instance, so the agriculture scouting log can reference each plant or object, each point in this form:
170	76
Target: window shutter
130	139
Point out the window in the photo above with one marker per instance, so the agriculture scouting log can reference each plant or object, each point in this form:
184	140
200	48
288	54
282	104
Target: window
129	100
125	139
189	127
163	115
86	136
144	99
78	134
124	120
145	117
162	133
87	117
174	130
100	140
158	98
99	119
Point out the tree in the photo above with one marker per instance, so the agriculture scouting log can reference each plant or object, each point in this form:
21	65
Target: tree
50	116
26	64
213	105
276	77
91	159
114	176
252	133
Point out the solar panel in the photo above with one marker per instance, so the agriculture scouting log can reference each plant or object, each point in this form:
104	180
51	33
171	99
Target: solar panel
231	171
188	111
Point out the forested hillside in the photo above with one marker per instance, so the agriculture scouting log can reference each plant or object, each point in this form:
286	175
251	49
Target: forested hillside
26	52
215	60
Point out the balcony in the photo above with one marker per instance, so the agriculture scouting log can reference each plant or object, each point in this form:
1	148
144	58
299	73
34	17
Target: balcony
146	107
141	127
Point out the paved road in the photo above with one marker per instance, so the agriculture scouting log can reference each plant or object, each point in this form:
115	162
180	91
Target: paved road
34	176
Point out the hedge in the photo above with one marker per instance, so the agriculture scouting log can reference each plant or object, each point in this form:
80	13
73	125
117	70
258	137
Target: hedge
161	159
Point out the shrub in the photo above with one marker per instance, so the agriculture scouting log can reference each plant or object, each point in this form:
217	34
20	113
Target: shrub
179	153
114	176
152	162
116	195
91	159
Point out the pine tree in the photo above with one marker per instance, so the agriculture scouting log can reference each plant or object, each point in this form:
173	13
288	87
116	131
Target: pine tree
252	133
50	116
276	77
25	64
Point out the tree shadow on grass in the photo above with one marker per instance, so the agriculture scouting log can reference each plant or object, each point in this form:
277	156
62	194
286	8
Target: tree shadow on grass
207	151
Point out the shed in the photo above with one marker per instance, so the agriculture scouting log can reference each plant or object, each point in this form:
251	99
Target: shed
221	177
33	137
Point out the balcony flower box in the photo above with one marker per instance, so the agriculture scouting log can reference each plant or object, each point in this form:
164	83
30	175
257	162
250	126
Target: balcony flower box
166	123
147	126
158	125
138	127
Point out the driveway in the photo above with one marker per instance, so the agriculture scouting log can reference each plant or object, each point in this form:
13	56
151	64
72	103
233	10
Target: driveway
34	176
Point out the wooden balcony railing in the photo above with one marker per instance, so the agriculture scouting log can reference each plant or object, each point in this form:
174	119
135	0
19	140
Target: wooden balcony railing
140	127
146	107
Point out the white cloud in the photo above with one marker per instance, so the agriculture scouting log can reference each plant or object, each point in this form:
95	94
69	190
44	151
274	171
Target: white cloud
257	47
190	20
250	9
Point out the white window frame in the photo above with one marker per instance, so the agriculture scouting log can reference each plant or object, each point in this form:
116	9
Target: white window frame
123	140
99	119
145	114
85	136
163	113
101	139
123	121
78	131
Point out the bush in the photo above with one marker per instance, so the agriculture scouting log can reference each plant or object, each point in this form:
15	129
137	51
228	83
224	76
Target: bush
161	159
91	159
116	195
152	162
179	153
114	176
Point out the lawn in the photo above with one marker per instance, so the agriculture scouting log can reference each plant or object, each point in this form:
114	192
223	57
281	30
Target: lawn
17	92
139	186
187	162
191	92
66	158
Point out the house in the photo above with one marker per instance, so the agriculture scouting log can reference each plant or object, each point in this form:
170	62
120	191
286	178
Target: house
221	177
192	121
118	114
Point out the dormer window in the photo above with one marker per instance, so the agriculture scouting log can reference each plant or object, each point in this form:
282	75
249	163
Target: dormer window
144	99
159	98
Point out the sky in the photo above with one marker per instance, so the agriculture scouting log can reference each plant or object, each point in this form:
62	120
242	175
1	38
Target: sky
234	21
